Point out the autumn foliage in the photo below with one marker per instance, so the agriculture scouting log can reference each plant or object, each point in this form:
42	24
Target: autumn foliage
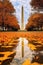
7	19
35	22
7	6
37	4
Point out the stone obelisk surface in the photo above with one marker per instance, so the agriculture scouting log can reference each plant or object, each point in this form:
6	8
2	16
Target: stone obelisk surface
22	19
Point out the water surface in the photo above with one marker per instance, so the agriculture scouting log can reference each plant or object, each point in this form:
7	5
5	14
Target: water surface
18	50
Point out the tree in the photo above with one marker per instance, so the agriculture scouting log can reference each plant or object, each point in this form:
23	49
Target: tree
11	22
35	22
6	15
37	4
6	6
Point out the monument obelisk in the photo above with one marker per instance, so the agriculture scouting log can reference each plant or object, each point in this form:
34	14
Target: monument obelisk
22	19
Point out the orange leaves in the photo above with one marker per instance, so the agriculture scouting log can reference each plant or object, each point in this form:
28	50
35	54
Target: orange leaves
37	4
6	17
7	6
35	20
12	21
1	5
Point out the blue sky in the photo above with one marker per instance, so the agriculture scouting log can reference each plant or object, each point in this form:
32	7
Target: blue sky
27	9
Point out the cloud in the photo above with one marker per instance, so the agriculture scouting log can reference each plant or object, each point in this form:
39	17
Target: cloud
27	9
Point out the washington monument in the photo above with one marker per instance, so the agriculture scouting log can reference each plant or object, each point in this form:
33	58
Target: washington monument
22	19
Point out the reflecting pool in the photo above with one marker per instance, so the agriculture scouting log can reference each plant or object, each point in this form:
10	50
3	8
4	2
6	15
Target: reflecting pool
21	50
